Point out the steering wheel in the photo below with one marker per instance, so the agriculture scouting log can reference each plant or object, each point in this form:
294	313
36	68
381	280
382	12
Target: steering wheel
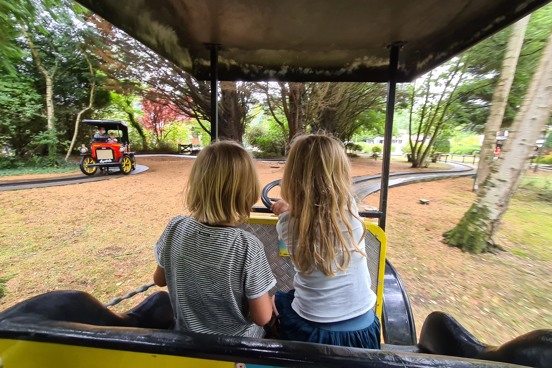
268	201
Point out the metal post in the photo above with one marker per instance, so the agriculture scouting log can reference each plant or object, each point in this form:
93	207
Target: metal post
388	136
214	92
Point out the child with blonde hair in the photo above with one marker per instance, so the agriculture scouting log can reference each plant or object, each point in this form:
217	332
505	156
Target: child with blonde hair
332	302
218	276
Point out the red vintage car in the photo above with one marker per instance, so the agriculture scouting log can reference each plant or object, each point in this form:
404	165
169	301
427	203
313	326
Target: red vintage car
110	147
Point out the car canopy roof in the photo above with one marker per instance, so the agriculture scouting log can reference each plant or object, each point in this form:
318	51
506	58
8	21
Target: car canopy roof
108	124
310	40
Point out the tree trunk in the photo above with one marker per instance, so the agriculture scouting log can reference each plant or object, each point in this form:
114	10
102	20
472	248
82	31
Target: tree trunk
126	104
232	120
88	107
48	78
475	231
500	98
295	115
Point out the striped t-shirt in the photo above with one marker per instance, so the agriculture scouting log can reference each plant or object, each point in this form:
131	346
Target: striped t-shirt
211	272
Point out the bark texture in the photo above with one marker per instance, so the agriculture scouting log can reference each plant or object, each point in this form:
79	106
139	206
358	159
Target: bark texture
48	78
500	99
232	113
88	107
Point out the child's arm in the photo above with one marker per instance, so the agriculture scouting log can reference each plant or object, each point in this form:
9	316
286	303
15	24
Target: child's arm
260	310
159	276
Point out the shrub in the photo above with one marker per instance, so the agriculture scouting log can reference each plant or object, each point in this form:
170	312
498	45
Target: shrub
365	147
353	147
547	160
10	163
466	149
269	141
442	145
163	147
377	149
267	155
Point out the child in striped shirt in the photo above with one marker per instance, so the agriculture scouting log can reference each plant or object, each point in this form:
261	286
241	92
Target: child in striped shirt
217	275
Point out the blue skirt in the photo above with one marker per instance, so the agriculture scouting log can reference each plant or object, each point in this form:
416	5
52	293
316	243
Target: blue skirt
359	332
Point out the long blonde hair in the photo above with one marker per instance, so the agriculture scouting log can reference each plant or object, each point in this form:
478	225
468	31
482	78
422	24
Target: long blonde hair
317	186
223	184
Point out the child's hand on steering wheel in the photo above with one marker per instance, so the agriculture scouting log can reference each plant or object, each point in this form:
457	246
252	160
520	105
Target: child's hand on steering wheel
279	207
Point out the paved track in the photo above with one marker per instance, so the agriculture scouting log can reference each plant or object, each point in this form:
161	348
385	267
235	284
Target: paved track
362	185
66	180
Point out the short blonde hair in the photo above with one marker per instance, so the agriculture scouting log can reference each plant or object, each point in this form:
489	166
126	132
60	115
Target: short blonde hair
317	186
223	184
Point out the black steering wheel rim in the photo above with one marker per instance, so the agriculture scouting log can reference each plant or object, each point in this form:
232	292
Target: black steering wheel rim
268	201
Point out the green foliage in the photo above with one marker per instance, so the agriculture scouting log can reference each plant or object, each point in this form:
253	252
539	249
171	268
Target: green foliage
463	143
44	146
547	160
365	147
16	166
377	149
548	141
442	144
20	108
485	59
353	147
60	38
371	123
466	150
268	138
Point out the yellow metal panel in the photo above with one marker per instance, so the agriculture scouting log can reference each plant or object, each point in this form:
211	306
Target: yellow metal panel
263	220
380	235
31	354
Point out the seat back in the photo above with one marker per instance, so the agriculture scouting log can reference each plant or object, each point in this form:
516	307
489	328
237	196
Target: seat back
264	228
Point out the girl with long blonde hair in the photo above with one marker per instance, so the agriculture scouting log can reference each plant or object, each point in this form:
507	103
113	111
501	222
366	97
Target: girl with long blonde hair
332	302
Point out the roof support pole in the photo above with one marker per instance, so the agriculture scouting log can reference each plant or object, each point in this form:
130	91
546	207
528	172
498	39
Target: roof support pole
388	136
214	92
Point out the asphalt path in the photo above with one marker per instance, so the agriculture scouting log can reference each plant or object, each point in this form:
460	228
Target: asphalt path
363	186
67	180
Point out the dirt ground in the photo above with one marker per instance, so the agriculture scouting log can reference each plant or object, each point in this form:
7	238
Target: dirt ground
98	237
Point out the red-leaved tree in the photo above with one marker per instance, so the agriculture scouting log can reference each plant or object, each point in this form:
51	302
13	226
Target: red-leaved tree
158	114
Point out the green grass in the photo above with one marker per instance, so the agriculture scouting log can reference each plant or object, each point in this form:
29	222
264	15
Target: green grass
3	281
528	219
64	168
528	229
538	182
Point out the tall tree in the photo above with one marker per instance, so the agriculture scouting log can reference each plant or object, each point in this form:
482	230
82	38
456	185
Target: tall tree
431	106
53	35
335	108
287	103
500	99
475	231
130	60
158	114
86	108
20	108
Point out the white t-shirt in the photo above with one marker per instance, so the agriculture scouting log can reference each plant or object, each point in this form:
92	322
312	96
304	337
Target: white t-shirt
326	299
211	272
